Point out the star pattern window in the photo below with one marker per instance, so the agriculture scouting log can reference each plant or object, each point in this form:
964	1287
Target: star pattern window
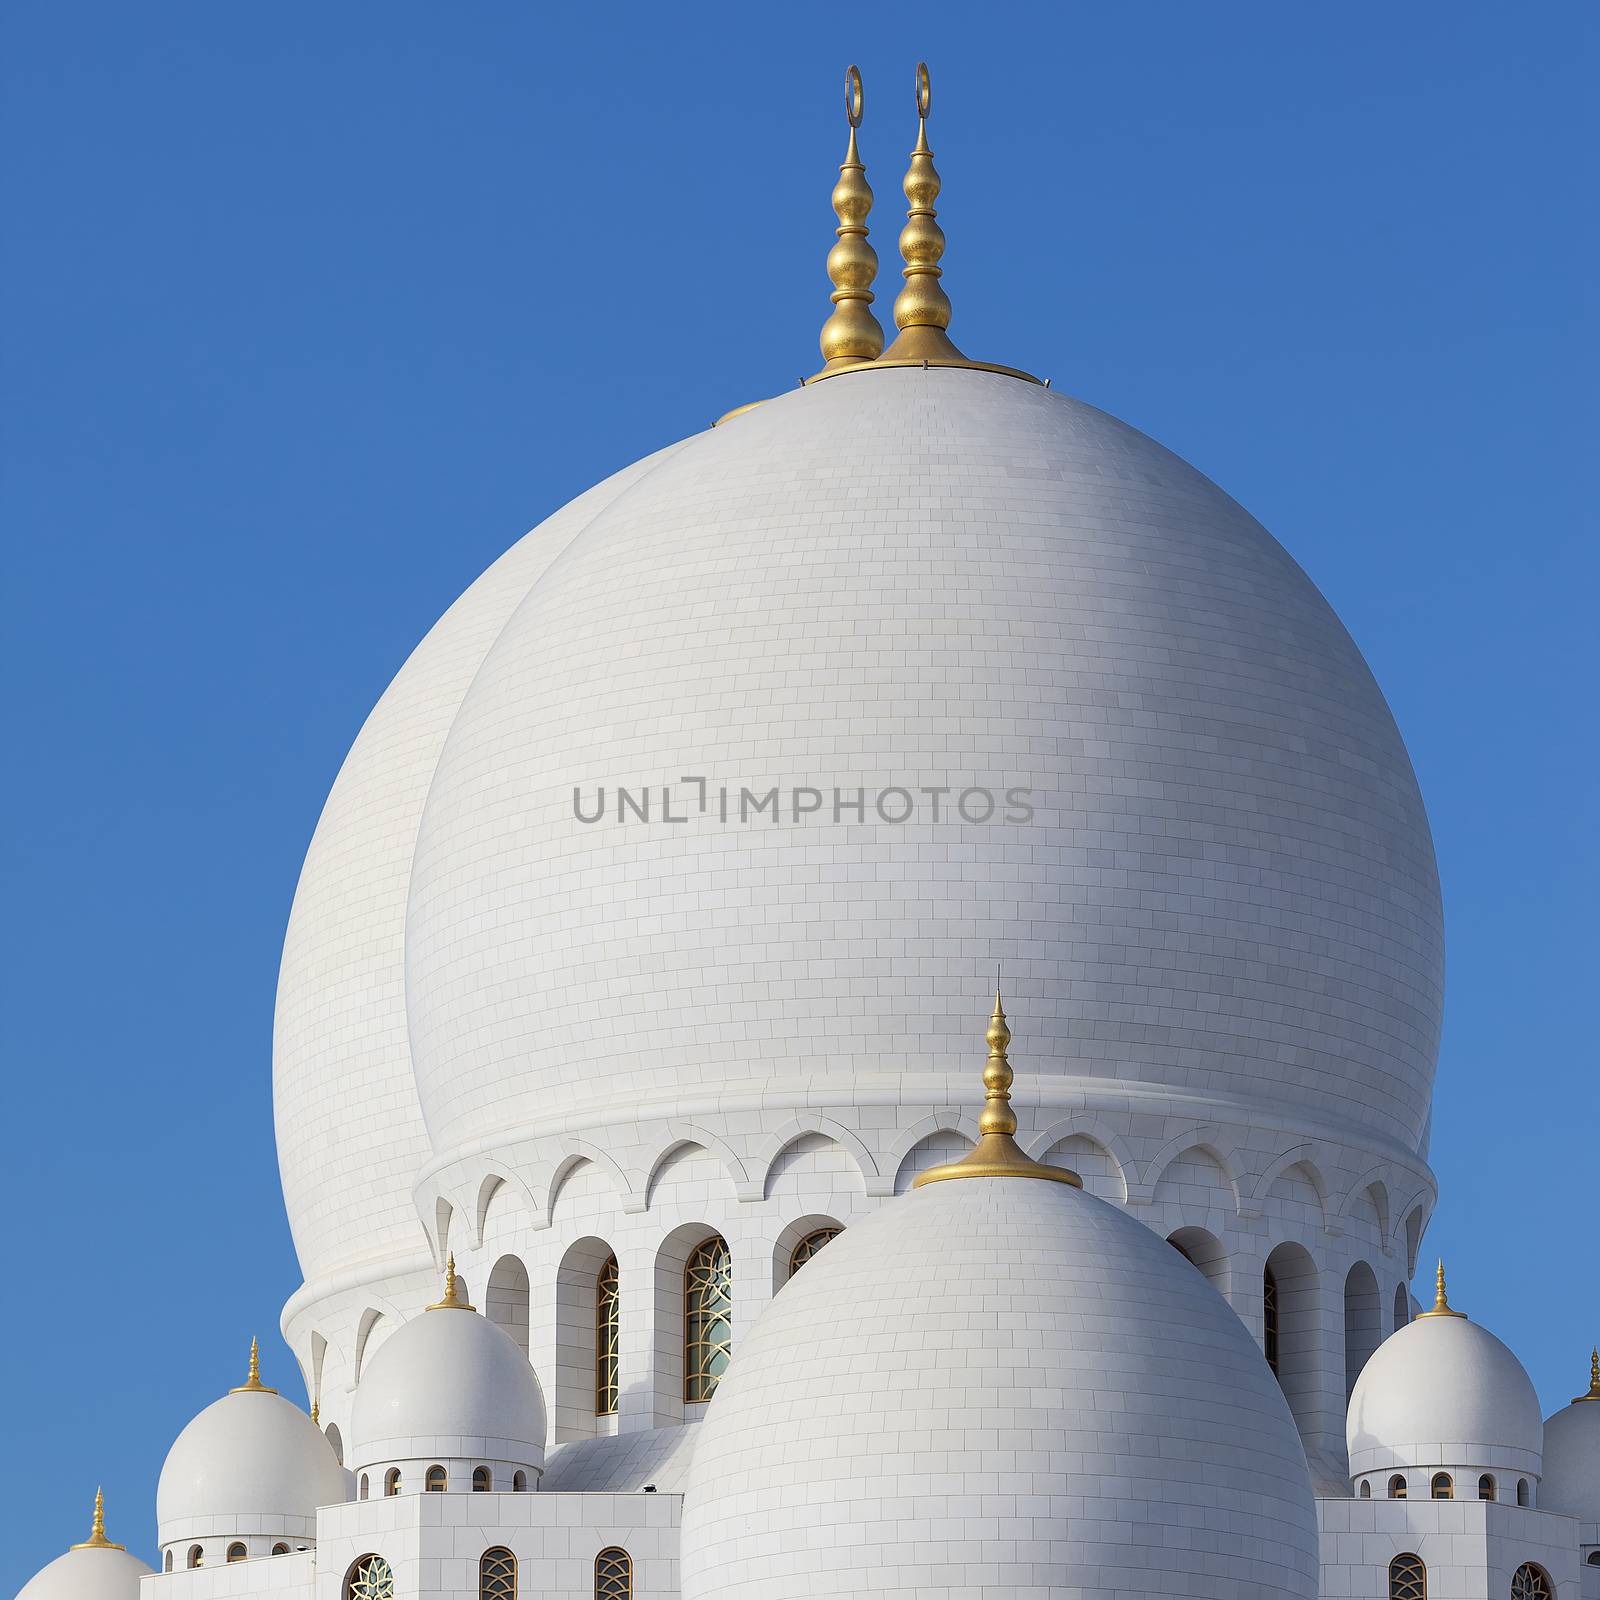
370	1579
1528	1582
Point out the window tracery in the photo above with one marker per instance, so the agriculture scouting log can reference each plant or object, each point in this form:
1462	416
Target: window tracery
708	1318
370	1579
607	1339
1408	1578
613	1575
497	1575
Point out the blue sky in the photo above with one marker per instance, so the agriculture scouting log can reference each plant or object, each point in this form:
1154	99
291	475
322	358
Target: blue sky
312	310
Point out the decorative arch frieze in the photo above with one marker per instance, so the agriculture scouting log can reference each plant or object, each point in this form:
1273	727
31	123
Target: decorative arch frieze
948	1120
681	1134
1221	1147
797	1127
1114	1145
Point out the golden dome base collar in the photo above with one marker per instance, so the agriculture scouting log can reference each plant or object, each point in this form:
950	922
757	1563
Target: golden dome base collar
996	1155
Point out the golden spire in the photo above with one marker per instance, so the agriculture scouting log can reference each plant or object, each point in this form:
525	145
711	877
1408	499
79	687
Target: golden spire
316	1411
922	308
452	1291
253	1384
997	1154
97	1533
1594	1377
1441	1300
852	333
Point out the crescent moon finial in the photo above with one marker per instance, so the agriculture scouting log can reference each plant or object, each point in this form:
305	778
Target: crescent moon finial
852	334
924	91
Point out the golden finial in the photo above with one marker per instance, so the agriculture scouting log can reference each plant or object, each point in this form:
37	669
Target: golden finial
1441	1300
922	308
253	1384
452	1290
97	1533
852	333
316	1411
1594	1377
997	1154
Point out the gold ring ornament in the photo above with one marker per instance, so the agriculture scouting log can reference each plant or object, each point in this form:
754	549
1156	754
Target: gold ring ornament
924	89
853	99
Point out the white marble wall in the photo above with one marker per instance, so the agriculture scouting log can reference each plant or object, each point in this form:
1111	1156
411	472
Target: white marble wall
1471	1548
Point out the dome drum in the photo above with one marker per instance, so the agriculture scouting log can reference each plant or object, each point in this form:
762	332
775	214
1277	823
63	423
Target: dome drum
1444	1395
449	1390
250	1467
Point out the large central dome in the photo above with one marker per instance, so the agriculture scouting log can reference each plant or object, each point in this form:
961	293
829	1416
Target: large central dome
898	579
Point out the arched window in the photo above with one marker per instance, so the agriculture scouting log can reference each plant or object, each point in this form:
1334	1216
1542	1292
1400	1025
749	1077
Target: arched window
437	1481
391	1481
482	1480
809	1246
1408	1578
196	1556
1486	1487
1522	1491
519	1482
1529	1582
166	1562
365	1489
1366	1490
280	1549
1397	1487
708	1318
1443	1488
497	1575
607	1339
236	1552
613	1574
1269	1317
370	1579
1593	1558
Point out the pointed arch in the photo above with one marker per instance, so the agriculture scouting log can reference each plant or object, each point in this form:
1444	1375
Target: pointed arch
687	1133
373	1322
1303	1158
796	1128
1374	1185
1119	1158
1206	1139
574	1152
961	1123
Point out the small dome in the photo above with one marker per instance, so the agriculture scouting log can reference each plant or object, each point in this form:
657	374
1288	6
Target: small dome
1443	1392
95	1570
88	1575
446	1385
1571	1482
249	1463
982	1387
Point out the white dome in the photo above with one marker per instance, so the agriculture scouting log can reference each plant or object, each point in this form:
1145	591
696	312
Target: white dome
1443	1392
1028	1372
446	1386
87	1575
250	1463
918	578
341	1015
1571	1481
